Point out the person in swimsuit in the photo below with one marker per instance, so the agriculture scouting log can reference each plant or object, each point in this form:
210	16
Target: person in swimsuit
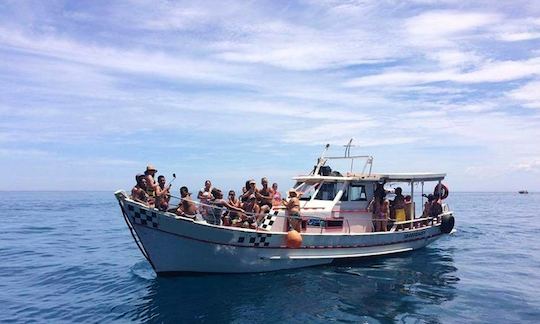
221	203
249	190
205	196
384	215
265	196
163	194
427	208
253	212
151	185
399	206
276	198
233	216
293	211
186	207
138	193
375	207
436	208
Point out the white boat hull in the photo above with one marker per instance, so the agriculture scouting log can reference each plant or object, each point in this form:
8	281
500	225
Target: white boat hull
175	244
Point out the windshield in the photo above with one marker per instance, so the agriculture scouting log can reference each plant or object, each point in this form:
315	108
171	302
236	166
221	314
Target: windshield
306	190
328	191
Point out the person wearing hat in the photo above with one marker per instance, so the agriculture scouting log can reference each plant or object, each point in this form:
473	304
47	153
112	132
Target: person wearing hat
293	210
248	190
151	185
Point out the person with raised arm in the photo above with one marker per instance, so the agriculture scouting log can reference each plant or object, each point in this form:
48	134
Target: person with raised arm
221	203
293	211
163	194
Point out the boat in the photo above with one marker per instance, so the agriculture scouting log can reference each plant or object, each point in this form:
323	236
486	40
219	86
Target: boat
523	192
336	225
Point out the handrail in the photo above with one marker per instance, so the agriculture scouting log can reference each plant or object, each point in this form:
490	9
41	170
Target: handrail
244	212
222	209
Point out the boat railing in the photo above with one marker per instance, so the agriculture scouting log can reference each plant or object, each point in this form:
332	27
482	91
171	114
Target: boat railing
209	211
258	217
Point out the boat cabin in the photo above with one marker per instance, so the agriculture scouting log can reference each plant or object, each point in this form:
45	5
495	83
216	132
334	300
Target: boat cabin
338	203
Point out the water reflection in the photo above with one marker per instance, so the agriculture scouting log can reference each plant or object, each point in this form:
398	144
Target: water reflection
406	287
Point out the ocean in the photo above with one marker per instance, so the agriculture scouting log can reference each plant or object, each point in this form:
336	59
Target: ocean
69	257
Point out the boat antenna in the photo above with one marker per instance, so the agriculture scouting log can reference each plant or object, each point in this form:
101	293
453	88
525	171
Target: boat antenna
348	148
321	160
348	152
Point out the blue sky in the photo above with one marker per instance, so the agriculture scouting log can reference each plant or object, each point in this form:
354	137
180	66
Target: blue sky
91	91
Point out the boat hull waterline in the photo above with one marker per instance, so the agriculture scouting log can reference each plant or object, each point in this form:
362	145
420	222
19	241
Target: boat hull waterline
176	244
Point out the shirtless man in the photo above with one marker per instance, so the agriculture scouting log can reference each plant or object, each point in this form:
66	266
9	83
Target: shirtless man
187	207
264	196
138	193
205	196
163	194
252	208
233	201
293	211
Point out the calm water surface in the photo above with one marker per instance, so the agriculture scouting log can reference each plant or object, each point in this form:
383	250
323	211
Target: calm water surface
68	257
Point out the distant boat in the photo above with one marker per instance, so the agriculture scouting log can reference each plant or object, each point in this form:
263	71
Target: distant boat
523	192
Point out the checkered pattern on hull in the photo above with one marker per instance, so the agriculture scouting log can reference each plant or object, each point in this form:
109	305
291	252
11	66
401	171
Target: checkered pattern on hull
143	217
256	240
268	221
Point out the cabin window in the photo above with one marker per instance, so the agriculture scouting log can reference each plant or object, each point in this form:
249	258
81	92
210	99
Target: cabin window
327	192
345	195
307	190
357	192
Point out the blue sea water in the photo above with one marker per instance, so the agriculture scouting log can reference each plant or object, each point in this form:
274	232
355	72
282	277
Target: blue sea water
68	257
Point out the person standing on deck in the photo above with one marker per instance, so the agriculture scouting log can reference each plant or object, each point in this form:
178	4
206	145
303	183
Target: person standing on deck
293	211
399	206
374	207
151	185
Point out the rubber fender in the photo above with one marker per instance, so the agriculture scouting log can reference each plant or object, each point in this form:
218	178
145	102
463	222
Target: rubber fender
447	223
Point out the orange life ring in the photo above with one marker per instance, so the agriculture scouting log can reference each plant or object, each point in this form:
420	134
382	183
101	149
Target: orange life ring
442	189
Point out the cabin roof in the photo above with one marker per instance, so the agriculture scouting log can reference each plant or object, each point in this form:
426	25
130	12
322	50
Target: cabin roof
388	177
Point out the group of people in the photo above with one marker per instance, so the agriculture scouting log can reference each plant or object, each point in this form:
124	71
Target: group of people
400	209
151	192
247	210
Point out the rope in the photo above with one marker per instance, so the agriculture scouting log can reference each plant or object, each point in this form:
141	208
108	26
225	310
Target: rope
135	237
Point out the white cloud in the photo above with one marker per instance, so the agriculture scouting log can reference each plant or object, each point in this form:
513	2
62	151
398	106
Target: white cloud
532	165
495	71
516	37
529	94
437	27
